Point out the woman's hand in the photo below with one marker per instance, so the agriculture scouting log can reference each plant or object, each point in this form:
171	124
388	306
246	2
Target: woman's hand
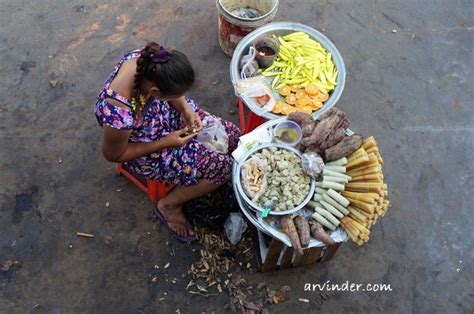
177	139
191	118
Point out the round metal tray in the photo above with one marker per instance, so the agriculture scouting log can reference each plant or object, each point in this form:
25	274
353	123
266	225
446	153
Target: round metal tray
255	206
281	29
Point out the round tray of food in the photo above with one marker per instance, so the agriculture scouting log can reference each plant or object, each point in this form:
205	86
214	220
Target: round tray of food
272	181
287	67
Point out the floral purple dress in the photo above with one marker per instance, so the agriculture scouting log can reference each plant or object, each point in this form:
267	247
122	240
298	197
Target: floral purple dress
178	166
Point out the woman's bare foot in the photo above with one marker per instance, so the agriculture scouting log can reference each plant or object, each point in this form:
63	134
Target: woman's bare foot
175	219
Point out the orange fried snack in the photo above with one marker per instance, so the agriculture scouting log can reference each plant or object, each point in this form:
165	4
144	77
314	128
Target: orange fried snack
278	107
311	89
291	99
305	109
300	94
284	90
304	101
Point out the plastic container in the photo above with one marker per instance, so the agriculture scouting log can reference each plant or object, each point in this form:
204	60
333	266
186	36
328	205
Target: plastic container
267	48
233	28
281	29
254	206
291	125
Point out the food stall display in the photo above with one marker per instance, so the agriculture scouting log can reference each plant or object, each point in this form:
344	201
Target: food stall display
304	178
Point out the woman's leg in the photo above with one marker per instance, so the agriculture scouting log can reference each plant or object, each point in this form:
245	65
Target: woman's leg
171	206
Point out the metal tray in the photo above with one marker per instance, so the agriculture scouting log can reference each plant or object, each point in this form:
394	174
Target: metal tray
247	199
279	29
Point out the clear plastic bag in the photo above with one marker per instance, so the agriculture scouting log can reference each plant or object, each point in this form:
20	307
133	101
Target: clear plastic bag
312	164
246	13
254	185
257	88
213	135
234	227
248	64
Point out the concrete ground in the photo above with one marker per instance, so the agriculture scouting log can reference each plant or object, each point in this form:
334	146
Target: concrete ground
409	83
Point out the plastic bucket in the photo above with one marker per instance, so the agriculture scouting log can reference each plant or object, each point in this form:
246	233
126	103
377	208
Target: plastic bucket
233	28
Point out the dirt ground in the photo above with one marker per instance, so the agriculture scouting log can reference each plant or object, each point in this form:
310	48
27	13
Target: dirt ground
409	83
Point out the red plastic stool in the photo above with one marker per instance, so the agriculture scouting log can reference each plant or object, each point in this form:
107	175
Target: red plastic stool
155	190
253	120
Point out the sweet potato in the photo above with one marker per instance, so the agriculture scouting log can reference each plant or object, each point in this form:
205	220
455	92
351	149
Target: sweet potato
344	148
318	233
327	125
302	227
288	228
335	137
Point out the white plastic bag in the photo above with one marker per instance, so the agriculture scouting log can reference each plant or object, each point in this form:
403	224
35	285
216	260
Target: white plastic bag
213	135
248	64
234	227
258	89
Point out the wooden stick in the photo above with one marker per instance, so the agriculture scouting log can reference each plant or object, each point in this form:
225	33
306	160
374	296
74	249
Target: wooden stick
367	177
352	229
360	227
365	170
357	162
366	211
363	186
353	237
372	159
355	213
356	154
362	205
373	149
356	219
368	216
369	142
83	234
364	197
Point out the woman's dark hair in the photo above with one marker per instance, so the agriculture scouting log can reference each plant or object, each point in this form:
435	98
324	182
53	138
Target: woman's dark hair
170	70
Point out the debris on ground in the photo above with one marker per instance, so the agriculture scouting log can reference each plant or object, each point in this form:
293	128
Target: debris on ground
279	296
217	261
7	265
109	241
303	300
85	235
53	83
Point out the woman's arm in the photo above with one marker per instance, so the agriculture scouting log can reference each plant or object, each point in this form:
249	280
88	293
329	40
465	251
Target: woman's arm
189	116
116	148
180	104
